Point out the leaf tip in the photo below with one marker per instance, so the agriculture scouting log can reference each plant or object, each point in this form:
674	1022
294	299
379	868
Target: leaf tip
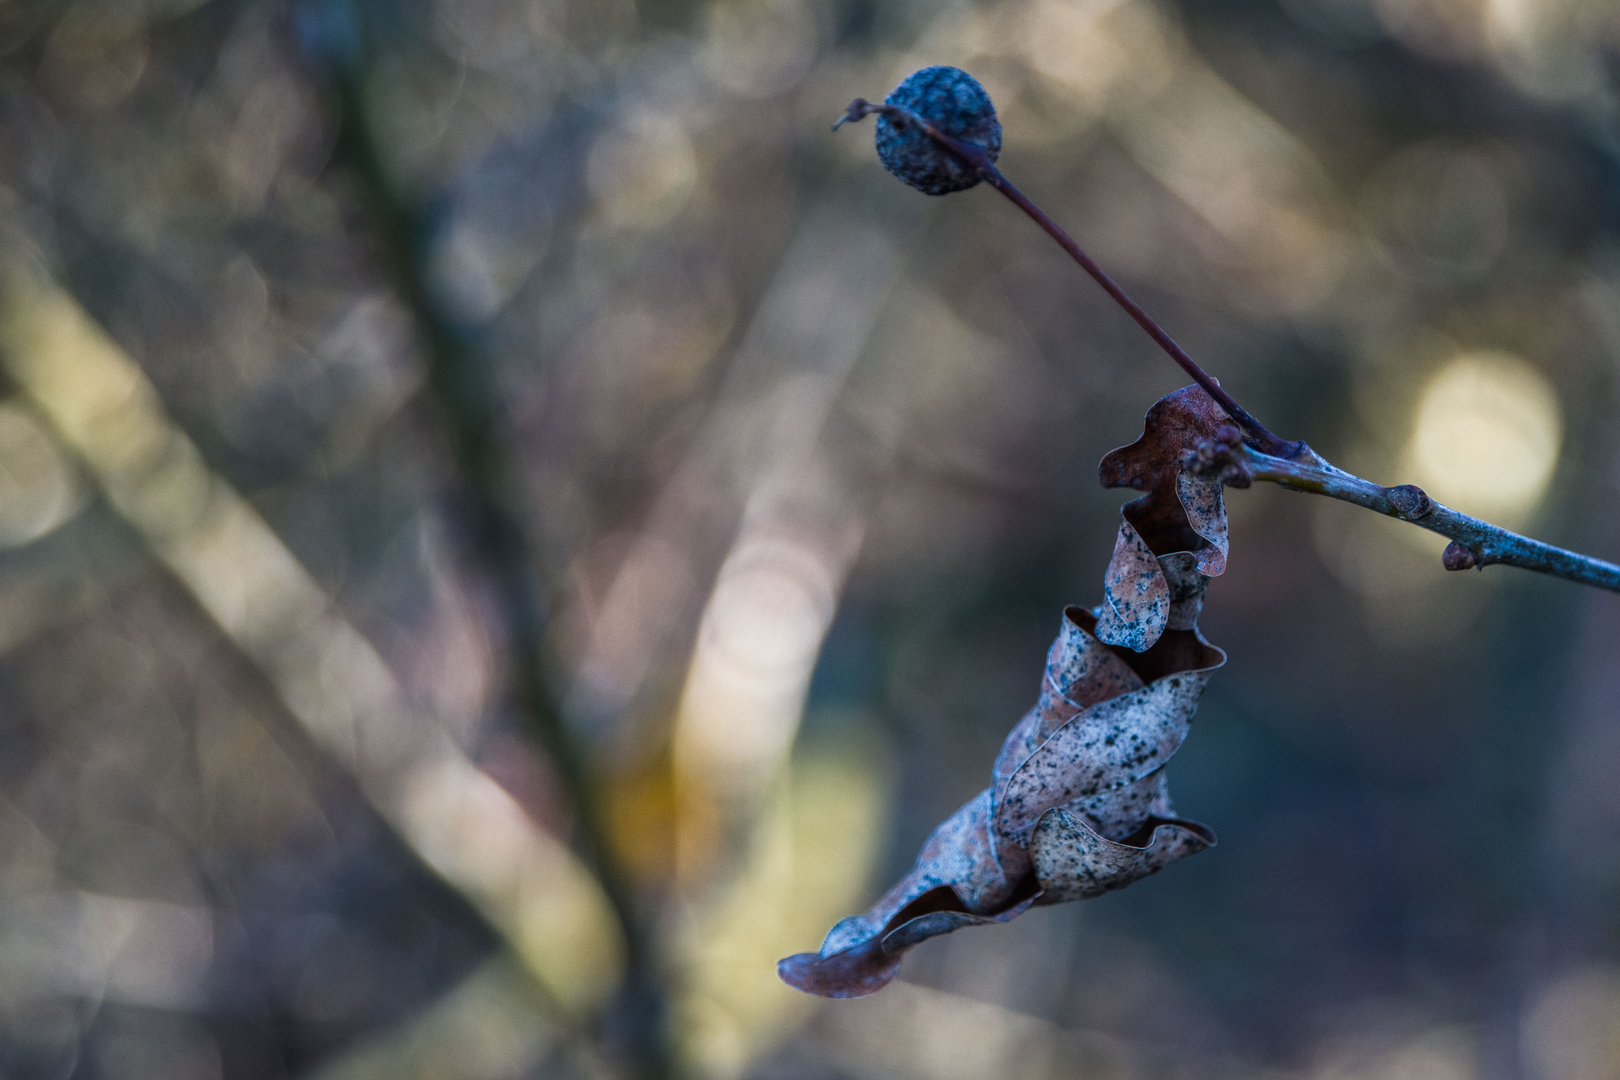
853	973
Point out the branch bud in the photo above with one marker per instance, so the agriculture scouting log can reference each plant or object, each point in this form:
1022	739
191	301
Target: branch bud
1410	501
1458	557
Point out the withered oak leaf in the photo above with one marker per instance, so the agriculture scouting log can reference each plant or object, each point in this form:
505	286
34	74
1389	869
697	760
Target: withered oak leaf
1078	803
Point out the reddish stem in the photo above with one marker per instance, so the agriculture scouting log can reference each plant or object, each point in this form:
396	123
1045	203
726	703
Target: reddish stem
1260	436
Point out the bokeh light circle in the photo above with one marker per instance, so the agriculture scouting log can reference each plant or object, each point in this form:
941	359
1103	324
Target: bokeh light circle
1486	435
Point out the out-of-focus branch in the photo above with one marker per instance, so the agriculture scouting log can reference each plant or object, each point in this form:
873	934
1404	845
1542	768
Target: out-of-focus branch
463	385
453	815
1474	543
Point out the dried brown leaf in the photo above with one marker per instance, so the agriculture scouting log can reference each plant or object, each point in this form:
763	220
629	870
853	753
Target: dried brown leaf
1074	862
1179	513
1078	802
1094	748
956	882
1152	464
1136	595
1080	672
1202	502
1104	750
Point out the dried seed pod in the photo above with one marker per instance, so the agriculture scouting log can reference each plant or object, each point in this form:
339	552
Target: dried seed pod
955	103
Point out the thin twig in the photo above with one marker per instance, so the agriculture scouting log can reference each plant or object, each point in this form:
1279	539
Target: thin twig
1474	543
1259	454
976	158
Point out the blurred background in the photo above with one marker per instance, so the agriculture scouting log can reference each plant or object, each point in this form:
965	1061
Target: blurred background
508	526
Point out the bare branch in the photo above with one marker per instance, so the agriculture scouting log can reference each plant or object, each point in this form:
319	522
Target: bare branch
1474	543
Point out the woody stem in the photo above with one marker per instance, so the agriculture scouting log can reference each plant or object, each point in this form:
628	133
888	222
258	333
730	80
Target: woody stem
975	157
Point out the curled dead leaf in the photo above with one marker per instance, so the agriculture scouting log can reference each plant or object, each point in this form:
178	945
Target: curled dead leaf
1078	802
1092	751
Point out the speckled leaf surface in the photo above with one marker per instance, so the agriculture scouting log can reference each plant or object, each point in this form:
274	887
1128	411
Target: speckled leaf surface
1078	802
1180	513
1187	587
1080	672
1105	749
959	853
1074	862
1136	596
1201	501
